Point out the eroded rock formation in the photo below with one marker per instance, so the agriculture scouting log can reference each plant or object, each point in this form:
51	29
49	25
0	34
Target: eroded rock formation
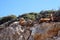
43	31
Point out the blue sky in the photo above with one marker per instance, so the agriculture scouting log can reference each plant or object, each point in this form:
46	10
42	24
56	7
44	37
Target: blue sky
18	7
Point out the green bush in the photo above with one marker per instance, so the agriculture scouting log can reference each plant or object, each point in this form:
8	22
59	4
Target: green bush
7	18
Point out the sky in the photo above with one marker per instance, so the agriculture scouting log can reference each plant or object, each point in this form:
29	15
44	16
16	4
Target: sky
19	7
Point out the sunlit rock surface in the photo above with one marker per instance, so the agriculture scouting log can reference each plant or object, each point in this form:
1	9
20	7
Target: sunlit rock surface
14	32
43	31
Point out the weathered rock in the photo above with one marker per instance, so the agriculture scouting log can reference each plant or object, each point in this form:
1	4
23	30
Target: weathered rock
49	31
14	32
44	31
58	33
58	38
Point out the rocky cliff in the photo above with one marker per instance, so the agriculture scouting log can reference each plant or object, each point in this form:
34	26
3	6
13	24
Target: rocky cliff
43	31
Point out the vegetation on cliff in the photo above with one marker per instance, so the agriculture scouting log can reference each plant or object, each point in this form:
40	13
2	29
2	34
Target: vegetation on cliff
32	15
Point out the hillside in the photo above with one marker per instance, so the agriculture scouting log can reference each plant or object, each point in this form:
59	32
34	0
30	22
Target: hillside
32	16
31	26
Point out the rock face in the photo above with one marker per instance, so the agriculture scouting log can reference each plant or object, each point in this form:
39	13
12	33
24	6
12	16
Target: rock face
43	31
14	32
50	32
